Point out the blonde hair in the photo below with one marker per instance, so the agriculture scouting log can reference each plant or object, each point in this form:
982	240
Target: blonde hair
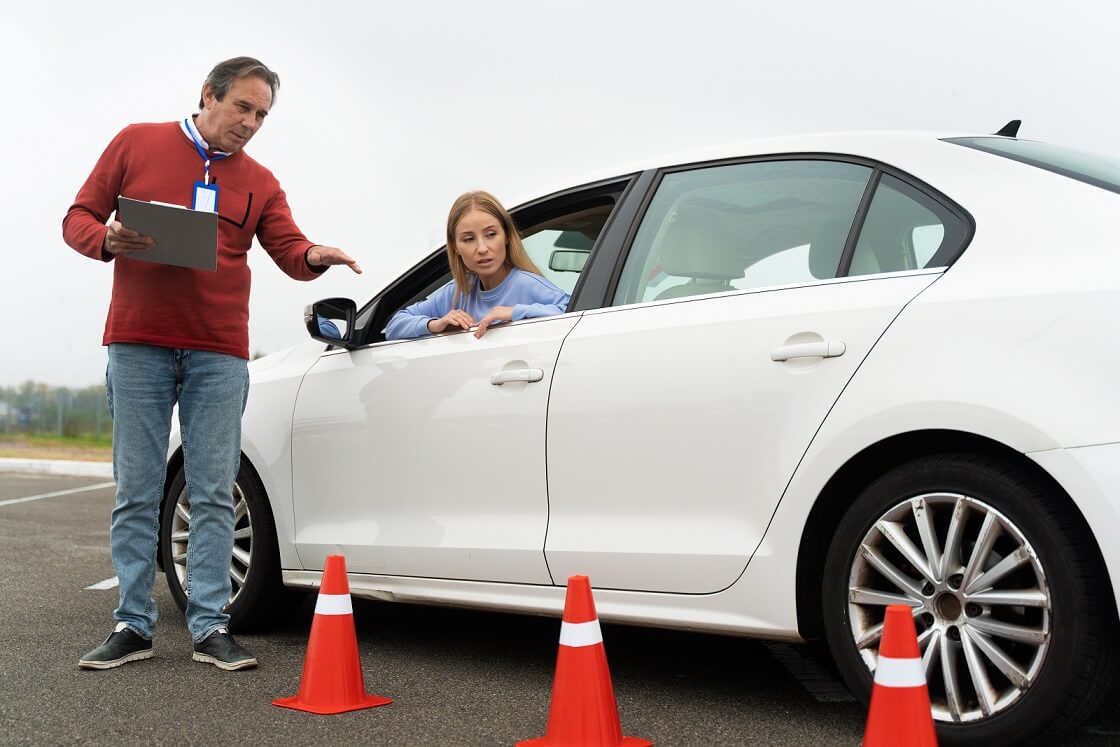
516	256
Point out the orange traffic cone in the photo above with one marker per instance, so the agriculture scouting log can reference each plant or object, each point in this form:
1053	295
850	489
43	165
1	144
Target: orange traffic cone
332	672
583	711
900	715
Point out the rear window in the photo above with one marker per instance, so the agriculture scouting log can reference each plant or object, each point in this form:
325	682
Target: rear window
1091	168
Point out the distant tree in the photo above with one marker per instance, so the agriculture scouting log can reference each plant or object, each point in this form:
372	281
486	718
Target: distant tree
35	408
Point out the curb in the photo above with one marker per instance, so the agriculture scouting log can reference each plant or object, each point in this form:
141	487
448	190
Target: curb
57	467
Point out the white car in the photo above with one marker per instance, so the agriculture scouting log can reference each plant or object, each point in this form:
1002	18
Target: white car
798	380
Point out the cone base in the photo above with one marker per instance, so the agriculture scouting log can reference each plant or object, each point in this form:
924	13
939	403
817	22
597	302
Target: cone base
626	742
367	701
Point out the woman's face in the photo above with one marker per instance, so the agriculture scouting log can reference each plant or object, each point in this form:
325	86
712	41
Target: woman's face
481	242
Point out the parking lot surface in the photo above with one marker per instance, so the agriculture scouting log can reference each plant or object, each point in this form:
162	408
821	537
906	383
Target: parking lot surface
457	677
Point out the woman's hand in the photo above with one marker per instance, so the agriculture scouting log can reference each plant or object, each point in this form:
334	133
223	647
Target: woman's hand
453	318
497	314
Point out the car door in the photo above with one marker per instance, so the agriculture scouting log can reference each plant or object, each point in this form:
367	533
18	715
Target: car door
426	457
679	412
410	459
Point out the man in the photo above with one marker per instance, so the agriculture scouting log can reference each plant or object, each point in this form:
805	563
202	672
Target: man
178	335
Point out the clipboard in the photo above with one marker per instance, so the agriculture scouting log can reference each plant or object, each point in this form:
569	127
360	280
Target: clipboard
184	237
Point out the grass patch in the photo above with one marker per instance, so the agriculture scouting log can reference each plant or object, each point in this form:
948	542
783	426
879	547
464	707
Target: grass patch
80	448
66	442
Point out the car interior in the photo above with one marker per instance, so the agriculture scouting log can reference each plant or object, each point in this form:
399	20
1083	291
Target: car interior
755	225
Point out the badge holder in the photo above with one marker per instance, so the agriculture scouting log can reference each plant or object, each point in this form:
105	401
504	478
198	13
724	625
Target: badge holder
205	197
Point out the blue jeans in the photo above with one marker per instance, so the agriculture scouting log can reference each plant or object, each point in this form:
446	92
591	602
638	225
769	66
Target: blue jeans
144	382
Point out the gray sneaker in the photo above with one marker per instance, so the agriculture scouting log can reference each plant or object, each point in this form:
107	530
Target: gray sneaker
122	646
222	651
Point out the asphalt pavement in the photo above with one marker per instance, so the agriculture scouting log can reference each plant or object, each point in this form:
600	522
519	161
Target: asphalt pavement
457	677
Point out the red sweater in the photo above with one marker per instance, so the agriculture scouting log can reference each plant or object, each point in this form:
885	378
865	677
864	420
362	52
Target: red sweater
176	307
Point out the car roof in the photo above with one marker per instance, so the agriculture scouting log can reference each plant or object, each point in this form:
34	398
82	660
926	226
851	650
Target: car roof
882	145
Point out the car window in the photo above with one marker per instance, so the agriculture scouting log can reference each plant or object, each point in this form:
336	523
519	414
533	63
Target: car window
560	246
1092	168
904	230
742	226
558	234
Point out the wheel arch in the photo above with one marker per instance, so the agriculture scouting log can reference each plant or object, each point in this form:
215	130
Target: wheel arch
866	466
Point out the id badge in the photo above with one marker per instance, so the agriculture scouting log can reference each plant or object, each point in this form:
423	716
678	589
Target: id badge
205	197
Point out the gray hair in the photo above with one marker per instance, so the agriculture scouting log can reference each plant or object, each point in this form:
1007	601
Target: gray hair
226	73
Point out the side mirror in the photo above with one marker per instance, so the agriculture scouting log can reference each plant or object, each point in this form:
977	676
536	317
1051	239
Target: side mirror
568	260
331	320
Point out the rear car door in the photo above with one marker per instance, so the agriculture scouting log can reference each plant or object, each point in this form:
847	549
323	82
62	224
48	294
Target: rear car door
743	306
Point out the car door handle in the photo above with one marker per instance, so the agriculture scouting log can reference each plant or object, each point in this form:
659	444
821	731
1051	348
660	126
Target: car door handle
526	375
822	349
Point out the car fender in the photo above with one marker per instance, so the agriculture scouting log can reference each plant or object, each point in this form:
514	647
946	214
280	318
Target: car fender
1020	380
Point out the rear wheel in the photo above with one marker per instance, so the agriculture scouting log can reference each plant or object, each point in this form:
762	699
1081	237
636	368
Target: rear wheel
257	594
1013	616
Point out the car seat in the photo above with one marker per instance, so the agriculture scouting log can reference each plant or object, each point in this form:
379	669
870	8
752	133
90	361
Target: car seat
697	246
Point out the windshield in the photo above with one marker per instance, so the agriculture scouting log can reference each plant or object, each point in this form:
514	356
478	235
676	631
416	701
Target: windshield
1091	168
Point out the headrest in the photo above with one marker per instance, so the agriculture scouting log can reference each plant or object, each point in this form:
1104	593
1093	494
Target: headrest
697	245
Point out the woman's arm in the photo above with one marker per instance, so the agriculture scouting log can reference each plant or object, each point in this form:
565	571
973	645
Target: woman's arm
412	321
534	296
540	298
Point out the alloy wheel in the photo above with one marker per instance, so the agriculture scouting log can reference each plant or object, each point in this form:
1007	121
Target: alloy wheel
979	595
242	540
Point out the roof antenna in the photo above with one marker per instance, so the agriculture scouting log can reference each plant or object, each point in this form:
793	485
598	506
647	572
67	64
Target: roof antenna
1011	129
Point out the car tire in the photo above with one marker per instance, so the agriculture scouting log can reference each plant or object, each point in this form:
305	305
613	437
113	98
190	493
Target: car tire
258	595
998	672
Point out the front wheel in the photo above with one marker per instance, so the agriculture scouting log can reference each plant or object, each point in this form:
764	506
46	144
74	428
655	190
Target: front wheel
1013	616
257	593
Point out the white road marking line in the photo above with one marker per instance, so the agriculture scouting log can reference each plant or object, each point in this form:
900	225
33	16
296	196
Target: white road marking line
109	583
99	486
820	684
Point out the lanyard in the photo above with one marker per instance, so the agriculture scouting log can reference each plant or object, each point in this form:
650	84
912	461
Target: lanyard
205	158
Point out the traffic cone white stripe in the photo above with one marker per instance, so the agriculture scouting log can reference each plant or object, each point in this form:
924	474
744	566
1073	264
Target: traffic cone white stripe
333	604
580	634
899	672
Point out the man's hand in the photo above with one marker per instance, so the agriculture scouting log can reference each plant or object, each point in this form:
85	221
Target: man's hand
453	318
325	256
124	241
497	314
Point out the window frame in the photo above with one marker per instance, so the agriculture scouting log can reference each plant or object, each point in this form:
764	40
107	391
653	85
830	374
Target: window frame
654	177
945	255
374	314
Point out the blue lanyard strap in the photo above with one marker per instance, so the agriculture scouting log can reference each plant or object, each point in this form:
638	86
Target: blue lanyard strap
205	158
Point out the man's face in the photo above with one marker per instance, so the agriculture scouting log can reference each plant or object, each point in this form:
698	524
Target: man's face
230	123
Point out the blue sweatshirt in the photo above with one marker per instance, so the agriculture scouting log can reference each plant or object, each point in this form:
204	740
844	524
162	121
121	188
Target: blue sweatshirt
529	294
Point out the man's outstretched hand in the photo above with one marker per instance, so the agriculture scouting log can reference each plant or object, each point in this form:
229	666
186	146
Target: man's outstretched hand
325	256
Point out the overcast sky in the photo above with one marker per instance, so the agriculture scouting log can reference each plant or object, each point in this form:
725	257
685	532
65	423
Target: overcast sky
387	111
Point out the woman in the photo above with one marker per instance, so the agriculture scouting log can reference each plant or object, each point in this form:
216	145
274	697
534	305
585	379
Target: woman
493	278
